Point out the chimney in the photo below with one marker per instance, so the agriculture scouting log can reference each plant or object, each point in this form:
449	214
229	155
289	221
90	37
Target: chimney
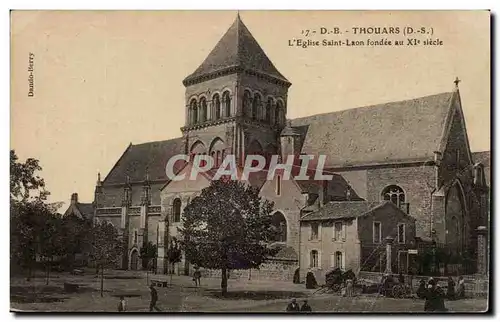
74	198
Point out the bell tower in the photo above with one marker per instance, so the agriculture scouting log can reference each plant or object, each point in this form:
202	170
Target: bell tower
236	100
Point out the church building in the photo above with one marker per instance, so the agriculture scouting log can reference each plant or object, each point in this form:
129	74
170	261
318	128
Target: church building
414	154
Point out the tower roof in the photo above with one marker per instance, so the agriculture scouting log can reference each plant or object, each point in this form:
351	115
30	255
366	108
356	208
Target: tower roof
236	49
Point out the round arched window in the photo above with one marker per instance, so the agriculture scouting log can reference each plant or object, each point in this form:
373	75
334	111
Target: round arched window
395	194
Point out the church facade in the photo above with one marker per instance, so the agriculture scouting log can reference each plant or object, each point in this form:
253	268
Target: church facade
412	153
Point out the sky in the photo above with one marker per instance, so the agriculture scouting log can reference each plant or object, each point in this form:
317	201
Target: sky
106	79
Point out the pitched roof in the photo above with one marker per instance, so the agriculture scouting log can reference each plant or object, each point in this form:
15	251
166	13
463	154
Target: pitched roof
137	159
396	131
484	157
87	209
237	48
81	210
340	210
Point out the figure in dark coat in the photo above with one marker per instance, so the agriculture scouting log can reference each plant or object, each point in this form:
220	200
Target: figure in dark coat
293	306
154	299
421	291
434	298
306	307
311	281
450	293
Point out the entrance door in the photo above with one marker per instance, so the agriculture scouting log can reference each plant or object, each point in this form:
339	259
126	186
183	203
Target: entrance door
134	260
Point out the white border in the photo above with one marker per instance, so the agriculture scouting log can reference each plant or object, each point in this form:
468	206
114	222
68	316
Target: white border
186	4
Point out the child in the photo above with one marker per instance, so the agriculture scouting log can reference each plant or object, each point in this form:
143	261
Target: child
122	305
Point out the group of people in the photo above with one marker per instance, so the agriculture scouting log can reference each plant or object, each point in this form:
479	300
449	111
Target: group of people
293	306
122	304
434	295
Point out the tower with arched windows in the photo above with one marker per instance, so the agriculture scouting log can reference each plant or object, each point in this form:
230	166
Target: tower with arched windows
235	100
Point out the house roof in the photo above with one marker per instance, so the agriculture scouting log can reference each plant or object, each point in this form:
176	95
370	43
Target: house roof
390	132
340	209
151	157
81	210
237	48
484	157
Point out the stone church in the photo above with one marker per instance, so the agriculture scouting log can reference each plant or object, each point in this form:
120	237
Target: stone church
413	153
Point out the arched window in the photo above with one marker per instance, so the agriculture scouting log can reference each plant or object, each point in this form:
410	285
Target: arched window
267	112
176	210
214	158
455	213
256	107
314	258
278	114
193	112
203	110
247	103
279	223
216	104
217	158
278	185
394	194
226	99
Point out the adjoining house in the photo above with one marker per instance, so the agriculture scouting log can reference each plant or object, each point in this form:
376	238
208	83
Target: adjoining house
352	235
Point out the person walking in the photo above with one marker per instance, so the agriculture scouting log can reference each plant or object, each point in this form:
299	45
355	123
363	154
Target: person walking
122	305
305	307
197	276
154	299
450	292
293	306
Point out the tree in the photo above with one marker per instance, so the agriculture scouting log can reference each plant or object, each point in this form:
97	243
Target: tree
227	227
106	247
76	236
50	242
148	253
28	212
23	179
174	255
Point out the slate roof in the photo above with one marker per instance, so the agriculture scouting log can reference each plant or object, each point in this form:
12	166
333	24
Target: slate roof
484	158
341	209
151	156
391	132
237	48
87	209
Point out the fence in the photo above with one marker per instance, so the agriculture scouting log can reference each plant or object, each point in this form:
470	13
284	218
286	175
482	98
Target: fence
427	259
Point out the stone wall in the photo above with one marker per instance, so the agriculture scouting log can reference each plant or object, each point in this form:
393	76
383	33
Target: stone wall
272	270
417	183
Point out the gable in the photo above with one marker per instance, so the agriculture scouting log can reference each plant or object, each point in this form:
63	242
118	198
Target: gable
454	146
384	133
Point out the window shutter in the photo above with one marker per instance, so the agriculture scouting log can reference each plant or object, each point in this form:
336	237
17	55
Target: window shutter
334	238
332	260
319	231
344	227
319	259
343	261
